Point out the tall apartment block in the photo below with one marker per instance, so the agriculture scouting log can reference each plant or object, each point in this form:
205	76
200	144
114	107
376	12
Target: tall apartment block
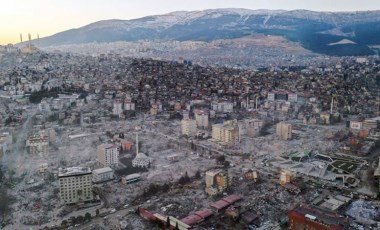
75	185
108	155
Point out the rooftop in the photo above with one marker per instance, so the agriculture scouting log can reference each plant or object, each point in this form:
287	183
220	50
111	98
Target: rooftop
220	204
73	171
204	213
132	176
110	146
102	170
192	219
321	215
232	198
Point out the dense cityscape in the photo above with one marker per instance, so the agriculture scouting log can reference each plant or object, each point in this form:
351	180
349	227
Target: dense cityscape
258	132
103	140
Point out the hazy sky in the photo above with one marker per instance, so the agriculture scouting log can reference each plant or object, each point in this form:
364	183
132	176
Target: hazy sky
48	17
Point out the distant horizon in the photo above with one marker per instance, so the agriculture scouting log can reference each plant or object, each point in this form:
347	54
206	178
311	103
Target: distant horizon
48	17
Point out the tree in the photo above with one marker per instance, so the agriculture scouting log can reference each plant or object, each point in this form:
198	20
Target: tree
64	223
176	226
80	219
165	188
1	175
4	203
87	216
167	223
97	212
197	175
221	159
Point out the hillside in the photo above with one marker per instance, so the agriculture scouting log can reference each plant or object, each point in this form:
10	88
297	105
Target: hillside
315	31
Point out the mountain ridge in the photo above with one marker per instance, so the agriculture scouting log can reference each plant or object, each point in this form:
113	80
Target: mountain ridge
207	25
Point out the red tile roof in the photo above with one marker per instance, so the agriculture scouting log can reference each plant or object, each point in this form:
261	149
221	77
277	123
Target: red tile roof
220	204
204	213
232	198
192	220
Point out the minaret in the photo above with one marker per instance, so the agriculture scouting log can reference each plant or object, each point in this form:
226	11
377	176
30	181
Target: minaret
21	38
137	143
30	39
137	128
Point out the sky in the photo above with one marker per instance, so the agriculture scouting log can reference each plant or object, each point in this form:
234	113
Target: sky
47	17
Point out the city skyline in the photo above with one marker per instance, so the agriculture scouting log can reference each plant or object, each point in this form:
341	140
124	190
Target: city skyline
46	18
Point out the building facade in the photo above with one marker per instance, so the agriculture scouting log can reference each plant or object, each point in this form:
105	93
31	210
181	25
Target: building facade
102	174
284	131
129	105
227	133
217	181
188	127
108	155
38	145
75	185
117	108
305	217
201	117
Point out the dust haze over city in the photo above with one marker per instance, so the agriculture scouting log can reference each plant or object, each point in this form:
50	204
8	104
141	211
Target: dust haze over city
200	115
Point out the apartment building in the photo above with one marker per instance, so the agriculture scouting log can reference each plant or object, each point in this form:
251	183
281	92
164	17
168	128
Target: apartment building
108	155
284	131
227	133
75	185
201	117
38	145
117	107
102	174
188	127
217	181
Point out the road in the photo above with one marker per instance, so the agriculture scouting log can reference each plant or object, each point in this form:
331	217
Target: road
99	220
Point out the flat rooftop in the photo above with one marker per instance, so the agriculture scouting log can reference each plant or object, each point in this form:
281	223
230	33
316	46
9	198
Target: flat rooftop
73	171
102	170
321	215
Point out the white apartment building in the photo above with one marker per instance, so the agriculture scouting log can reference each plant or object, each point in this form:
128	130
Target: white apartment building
108	155
129	106
188	127
117	107
75	185
201	117
223	107
102	174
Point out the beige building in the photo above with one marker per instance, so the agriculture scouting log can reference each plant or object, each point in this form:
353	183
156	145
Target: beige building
75	185
108	154
284	131
38	145
285	177
201	117
217	181
227	133
188	127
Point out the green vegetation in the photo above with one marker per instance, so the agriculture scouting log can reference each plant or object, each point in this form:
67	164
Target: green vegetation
347	167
